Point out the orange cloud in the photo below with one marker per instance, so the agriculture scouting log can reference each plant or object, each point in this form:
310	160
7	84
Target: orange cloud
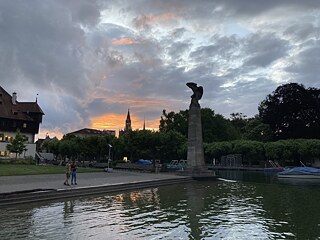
153	124
108	121
124	41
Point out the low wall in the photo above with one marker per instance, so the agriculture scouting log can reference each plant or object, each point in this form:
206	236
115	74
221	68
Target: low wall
31	150
134	166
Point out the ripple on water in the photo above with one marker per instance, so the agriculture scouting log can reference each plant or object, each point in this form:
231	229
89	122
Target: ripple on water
216	211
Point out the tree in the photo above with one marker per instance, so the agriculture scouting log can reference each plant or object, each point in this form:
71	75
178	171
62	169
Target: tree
251	150
53	146
214	126
17	145
309	149
256	130
292	111
239	121
174	121
217	149
172	145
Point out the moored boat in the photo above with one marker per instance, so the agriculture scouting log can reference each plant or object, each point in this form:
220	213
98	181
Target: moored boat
273	170
300	172
275	167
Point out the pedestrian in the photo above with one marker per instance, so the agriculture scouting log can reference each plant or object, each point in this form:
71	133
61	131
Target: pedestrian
68	171
74	173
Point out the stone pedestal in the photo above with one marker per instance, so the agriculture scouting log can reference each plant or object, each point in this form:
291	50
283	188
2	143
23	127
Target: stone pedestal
195	157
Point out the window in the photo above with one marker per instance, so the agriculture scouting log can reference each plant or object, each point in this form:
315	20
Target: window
8	138
4	153
14	124
24	125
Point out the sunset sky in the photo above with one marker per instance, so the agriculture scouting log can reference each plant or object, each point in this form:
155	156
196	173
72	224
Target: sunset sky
90	61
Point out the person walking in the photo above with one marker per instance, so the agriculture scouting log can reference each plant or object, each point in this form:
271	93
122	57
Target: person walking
74	173
68	171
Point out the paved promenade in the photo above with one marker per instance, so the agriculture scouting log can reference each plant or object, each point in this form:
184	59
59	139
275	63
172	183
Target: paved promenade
84	180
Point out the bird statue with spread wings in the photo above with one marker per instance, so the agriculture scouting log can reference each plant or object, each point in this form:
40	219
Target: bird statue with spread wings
197	93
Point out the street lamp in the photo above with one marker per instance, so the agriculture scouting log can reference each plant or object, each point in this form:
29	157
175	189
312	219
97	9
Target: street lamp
110	146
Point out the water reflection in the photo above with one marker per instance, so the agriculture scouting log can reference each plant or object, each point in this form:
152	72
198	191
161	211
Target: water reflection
202	210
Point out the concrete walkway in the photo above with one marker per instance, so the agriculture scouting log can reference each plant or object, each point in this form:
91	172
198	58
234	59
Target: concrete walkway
85	180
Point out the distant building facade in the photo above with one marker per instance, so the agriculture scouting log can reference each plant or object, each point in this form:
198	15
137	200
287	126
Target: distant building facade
42	143
43	153
87	132
25	116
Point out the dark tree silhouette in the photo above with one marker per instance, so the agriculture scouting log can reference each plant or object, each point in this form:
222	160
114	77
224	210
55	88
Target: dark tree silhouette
292	111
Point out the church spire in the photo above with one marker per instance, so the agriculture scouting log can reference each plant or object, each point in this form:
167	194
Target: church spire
144	123
128	122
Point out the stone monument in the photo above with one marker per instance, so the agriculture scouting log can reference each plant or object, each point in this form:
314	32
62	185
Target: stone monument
195	155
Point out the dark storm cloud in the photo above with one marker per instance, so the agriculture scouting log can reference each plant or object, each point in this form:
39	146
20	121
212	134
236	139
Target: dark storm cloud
305	67
260	86
39	40
99	106
88	58
64	115
43	46
217	10
161	82
263	49
302	30
178	32
252	8
243	97
178	49
223	47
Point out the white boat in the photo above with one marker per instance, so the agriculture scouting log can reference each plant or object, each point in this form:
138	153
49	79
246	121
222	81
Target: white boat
301	173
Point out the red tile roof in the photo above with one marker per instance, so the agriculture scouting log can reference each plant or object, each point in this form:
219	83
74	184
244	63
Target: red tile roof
19	110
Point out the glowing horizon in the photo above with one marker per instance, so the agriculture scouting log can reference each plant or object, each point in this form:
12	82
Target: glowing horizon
113	121
110	121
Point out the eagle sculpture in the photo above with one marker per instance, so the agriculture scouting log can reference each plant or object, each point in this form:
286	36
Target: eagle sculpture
197	91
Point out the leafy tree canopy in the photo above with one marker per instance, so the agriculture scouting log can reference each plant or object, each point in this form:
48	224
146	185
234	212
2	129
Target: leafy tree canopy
292	111
256	130
215	126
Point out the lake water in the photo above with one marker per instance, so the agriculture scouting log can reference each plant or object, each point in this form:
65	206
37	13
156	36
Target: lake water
255	206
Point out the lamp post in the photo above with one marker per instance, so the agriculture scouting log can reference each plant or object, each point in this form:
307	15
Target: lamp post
110	146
